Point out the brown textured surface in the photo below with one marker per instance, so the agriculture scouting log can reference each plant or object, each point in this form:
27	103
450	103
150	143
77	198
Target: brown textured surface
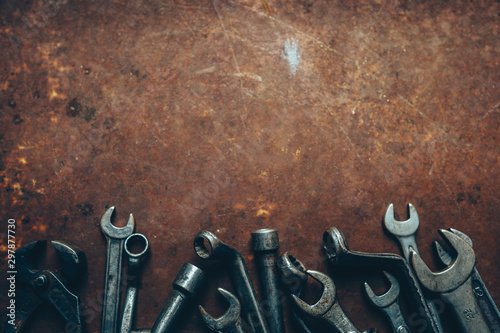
187	115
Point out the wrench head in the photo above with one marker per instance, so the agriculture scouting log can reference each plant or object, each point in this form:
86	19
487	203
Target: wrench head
327	300
334	244
115	232
452	276
463	236
25	257
229	319
293	272
216	248
391	296
401	228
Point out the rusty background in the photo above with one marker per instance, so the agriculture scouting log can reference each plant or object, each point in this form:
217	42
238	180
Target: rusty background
189	115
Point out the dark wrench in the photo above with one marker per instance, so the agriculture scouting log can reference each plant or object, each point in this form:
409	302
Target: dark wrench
405	231
265	243
115	237
230	322
134	261
239	274
338	253
327	309
389	304
454	283
483	296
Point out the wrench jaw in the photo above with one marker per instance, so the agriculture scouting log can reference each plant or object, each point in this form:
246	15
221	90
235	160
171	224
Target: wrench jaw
327	300
229	319
216	248
115	232
388	298
401	228
334	244
293	272
25	256
452	276
74	261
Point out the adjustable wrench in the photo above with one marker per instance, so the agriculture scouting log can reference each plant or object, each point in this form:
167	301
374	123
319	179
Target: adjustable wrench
484	299
230	322
389	304
115	237
454	283
405	231
327	309
338	253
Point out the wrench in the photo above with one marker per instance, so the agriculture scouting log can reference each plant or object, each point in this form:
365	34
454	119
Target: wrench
454	283
133	270
405	231
338	253
239	274
230	322
115	237
389	304
486	303
327	309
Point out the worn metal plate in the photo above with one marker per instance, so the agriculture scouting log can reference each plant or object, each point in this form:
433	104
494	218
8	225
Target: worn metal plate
229	117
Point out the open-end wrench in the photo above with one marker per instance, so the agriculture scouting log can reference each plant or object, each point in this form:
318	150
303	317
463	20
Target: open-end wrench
405	231
338	253
134	261
327	309
484	299
454	283
115	237
243	285
230	321
389	304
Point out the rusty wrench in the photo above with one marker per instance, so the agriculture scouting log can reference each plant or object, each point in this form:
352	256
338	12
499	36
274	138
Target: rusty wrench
454	283
230	322
483	296
389	304
405	231
115	238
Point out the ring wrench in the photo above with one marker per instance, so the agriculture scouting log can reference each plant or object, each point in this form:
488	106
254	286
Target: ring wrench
327	308
389	304
114	264
483	296
454	283
338	253
218	250
405	231
230	322
134	263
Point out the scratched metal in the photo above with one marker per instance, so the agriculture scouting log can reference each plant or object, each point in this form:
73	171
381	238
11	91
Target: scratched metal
230	117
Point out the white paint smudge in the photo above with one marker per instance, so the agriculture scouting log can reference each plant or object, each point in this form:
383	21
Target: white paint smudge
292	54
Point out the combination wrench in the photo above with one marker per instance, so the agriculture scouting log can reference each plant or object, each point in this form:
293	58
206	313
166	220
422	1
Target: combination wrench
115	238
405	231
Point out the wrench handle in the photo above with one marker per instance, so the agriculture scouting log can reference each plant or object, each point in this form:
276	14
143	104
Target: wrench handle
111	302
466	308
398	322
337	320
129	308
485	301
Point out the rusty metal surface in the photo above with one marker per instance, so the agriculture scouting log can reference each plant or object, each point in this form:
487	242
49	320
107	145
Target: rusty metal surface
204	115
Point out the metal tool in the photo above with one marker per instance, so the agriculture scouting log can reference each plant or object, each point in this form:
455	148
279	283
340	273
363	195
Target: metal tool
115	237
241	280
230	321
265	243
134	263
186	285
454	283
46	286
294	277
389	304
327	309
405	231
338	253
484	299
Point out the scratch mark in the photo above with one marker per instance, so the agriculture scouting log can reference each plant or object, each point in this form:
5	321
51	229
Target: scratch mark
491	110
248	75
227	36
413	106
292	55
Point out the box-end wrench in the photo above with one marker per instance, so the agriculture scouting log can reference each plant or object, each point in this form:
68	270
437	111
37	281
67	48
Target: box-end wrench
218	250
405	231
483	296
230	322
134	263
389	304
327	309
338	253
115	238
454	284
